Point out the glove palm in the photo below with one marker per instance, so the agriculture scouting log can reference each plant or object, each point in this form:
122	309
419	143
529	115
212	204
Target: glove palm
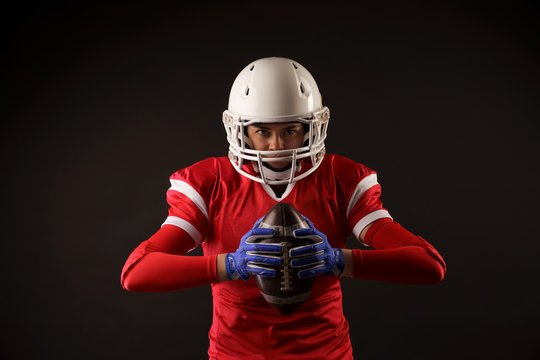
317	258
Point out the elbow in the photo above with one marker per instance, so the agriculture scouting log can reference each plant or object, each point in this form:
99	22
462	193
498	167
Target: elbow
437	267
130	279
431	269
436	273
126	284
129	283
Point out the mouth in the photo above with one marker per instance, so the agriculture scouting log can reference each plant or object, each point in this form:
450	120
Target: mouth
272	156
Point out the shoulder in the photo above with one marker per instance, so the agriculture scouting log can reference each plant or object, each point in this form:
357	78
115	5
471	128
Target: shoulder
202	168
345	168
202	174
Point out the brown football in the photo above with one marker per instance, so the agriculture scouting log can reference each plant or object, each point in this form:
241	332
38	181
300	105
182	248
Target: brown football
286	292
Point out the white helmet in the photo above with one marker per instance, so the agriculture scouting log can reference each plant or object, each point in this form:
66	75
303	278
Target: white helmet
275	90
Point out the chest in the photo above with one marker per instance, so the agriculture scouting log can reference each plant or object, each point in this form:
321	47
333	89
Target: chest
233	212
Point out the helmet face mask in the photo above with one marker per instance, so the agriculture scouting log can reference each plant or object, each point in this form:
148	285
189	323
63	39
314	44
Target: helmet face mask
275	90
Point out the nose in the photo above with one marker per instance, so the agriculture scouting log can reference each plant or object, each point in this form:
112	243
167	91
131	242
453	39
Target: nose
275	143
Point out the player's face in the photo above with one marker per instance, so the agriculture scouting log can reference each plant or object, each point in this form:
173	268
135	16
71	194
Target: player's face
272	137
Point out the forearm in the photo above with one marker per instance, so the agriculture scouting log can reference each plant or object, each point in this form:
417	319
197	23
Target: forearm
160	264
398	256
405	265
158	271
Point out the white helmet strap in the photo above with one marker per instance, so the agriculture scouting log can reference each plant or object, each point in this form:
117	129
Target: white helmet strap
275	175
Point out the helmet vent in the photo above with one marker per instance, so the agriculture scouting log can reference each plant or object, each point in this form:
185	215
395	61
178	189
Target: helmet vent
302	90
247	91
251	68
293	64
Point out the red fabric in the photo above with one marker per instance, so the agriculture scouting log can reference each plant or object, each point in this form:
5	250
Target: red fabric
222	205
243	323
399	256
368	238
159	264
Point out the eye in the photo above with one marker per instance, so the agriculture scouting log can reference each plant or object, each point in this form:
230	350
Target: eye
262	132
290	132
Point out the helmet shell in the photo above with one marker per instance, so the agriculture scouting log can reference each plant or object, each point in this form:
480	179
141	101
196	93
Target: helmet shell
274	87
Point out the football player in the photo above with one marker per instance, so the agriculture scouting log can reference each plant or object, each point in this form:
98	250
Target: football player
276	125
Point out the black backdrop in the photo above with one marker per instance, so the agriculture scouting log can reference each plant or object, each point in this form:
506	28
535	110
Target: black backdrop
103	102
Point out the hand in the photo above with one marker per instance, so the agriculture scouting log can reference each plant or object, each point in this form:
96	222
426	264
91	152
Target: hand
317	258
250	256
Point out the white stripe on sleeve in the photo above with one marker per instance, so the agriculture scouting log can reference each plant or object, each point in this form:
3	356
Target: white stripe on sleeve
368	219
361	188
184	225
186	189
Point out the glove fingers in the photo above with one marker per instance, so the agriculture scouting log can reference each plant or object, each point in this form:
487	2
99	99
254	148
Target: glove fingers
307	249
252	236
312	271
262	231
263	259
303	232
261	270
261	247
318	258
310	234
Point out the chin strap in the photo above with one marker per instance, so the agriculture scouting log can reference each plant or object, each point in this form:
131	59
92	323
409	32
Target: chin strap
277	174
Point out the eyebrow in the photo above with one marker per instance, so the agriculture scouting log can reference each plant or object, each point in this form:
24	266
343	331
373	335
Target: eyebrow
260	126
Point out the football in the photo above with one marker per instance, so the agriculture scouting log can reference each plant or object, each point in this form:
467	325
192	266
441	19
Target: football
286	292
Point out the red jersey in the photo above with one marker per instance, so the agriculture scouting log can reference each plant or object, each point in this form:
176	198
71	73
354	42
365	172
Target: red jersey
216	205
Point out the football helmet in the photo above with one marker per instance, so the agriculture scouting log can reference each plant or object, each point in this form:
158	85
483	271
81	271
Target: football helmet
275	90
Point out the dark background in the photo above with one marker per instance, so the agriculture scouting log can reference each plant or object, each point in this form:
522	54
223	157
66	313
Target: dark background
103	102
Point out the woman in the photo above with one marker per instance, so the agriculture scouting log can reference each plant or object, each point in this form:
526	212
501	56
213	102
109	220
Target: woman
276	127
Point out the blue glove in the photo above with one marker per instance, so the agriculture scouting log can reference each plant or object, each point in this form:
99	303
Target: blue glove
318	258
250	256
